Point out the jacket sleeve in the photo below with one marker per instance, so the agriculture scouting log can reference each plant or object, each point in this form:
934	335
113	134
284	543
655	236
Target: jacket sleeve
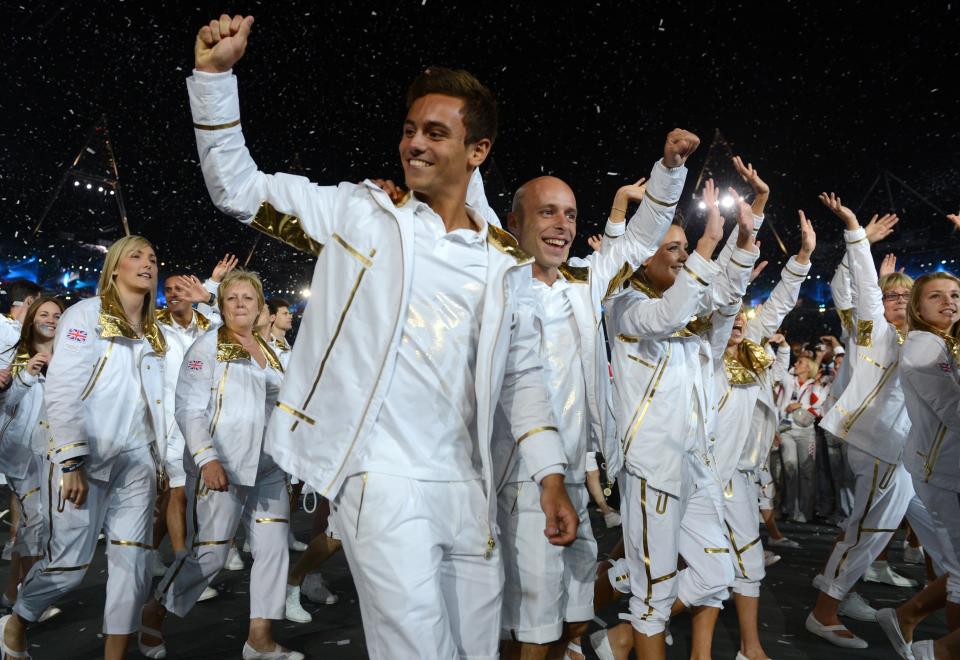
731	245
929	370
235	184
661	317
77	355
781	302
525	402
20	384
195	386
212	312
842	294
871	323
721	325
781	364
731	285
643	233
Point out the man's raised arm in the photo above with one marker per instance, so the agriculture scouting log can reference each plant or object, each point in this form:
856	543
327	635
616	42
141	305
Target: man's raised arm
287	207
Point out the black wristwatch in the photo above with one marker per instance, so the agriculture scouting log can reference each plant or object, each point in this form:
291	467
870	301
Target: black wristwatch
212	299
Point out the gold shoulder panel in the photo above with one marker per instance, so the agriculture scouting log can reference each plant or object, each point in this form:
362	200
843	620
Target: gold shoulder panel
202	321
864	333
506	243
227	349
114	323
622	276
284	227
164	316
846	319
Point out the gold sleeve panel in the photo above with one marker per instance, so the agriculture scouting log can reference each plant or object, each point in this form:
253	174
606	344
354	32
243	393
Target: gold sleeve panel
284	227
534	431
846	319
864	333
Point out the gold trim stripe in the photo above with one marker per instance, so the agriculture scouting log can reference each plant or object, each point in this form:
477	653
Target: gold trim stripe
72	445
849	421
219	407
659	201
333	340
642	361
787	268
296	413
716	551
931	462
663	578
272	520
367	263
216	127
93	383
65	569
628	339
534	431
866	511
737	263
645	401
699	279
200	451
859	240
870	360
135	544
197	544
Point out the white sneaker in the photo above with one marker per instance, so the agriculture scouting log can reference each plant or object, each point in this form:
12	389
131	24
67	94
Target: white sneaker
49	613
234	561
293	609
856	607
783	542
913	556
881	572
7	551
208	594
315	590
157	567
278	653
769	558
887	618
612	519
294	544
829	633
923	650
601	645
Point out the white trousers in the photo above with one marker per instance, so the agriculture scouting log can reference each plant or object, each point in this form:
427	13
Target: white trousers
798	451
122	506
545	584
212	521
651	537
32	527
944	508
881	496
428	574
706	580
742	520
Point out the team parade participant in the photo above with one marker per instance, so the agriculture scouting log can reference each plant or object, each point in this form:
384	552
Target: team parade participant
106	448
23	437
450	382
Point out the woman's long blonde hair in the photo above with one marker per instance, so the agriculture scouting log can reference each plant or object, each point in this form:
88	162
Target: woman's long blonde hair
120	249
913	309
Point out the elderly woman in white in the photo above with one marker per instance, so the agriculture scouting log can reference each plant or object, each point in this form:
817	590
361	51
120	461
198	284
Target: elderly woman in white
227	389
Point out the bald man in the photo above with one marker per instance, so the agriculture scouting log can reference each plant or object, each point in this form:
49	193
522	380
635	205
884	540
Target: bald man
548	586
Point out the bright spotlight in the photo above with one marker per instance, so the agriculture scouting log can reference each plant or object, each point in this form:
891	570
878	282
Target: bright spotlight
100	189
76	183
89	186
305	293
112	192
726	202
702	205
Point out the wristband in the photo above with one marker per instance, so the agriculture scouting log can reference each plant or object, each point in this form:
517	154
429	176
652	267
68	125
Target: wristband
212	299
73	467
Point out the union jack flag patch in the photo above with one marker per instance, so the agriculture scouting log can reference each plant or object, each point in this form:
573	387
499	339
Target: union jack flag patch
77	335
195	365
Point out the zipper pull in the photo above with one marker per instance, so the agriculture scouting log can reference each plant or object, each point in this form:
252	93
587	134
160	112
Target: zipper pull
491	544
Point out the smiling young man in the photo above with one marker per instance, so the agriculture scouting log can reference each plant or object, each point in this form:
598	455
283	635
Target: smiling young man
547	586
412	338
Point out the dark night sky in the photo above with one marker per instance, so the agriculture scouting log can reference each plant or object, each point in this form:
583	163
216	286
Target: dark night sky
818	96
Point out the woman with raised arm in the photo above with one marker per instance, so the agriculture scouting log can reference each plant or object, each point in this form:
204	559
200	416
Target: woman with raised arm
227	390
23	436
104	402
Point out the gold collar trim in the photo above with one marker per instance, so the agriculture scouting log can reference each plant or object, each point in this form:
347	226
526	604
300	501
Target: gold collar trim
114	323
20	360
506	243
281	343
165	317
575	274
229	350
751	359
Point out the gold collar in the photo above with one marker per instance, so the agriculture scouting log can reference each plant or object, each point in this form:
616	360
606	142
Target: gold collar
750	360
575	274
19	360
506	243
953	345
229	350
164	316
281	343
114	323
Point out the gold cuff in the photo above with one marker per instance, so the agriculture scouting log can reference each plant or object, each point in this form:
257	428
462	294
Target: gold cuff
534	431
216	127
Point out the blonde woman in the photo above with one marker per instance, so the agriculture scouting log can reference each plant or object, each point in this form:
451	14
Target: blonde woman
228	386
104	403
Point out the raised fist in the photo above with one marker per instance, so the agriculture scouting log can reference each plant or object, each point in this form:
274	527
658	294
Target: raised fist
679	146
221	43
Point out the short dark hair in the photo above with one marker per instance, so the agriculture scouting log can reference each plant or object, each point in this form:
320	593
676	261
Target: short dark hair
20	290
274	304
479	104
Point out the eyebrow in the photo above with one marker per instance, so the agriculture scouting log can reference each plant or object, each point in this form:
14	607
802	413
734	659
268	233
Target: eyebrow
430	125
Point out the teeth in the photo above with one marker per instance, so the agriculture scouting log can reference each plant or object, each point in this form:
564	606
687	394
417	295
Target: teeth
554	241
416	162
